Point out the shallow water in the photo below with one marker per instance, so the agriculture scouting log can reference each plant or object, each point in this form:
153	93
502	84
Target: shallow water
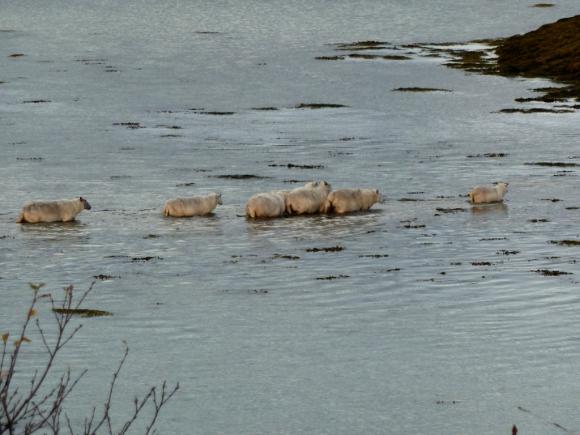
436	321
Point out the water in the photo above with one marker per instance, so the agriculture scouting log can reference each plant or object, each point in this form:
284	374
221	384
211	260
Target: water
414	338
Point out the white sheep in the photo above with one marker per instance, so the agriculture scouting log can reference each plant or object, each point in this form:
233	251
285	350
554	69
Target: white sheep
308	199
488	194
351	200
64	210
194	206
267	204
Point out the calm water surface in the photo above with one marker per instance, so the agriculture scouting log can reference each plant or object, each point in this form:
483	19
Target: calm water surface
436	323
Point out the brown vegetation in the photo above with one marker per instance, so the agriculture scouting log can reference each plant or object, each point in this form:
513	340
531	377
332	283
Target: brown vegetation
552	51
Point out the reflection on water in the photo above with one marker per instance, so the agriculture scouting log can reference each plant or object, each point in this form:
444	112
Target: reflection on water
63	232
499	209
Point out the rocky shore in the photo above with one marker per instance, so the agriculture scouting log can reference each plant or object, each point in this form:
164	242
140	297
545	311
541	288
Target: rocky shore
551	51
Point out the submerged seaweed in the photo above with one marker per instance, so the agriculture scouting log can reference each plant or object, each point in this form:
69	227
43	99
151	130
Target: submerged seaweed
318	106
419	89
81	312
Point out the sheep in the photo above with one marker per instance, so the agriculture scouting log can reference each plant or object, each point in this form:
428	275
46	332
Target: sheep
194	206
308	199
349	200
267	204
64	210
488	194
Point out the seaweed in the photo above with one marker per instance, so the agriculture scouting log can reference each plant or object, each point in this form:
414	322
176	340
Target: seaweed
472	61
567	242
336	248
318	106
506	252
292	165
378	56
552	51
329	58
488	155
451	210
144	259
554	164
419	89
36	101
239	177
130	125
285	257
82	312
535	110
332	277
216	113
547	272
363	45
293	181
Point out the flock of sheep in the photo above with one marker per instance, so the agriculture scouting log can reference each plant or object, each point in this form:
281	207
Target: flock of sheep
313	197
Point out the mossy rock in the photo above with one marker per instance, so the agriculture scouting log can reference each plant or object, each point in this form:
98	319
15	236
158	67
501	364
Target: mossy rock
552	51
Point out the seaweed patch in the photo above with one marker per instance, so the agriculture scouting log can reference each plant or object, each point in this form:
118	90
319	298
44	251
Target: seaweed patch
239	177
332	277
82	312
129	125
547	272
554	164
336	248
318	106
292	166
419	89
488	155
567	242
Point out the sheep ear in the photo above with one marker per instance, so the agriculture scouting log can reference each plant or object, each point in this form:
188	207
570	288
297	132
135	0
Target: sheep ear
377	191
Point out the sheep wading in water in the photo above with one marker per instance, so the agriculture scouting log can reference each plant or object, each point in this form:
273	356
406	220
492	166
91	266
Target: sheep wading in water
64	210
308	199
194	206
488	194
351	200
267	204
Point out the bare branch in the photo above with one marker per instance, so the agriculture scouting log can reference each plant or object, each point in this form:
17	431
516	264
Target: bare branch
107	405
30	411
